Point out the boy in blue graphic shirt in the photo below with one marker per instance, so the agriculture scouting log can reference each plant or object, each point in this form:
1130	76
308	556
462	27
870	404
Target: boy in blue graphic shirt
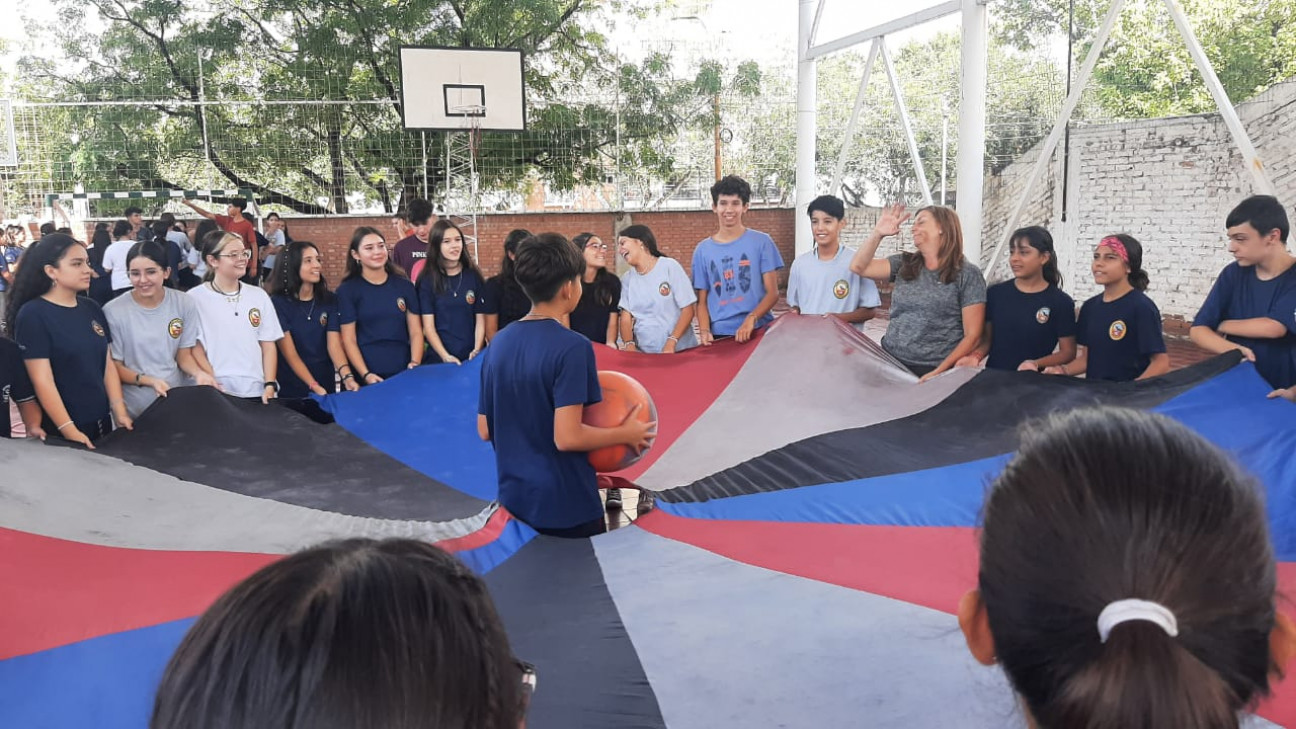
735	271
537	377
1252	307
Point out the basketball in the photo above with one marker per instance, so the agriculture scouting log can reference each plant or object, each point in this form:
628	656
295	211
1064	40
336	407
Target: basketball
620	394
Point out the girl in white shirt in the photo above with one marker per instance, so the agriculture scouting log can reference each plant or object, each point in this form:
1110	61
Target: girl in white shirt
657	298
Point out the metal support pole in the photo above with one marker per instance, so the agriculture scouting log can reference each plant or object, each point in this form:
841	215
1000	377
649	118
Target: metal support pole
848	142
944	148
806	126
896	92
972	123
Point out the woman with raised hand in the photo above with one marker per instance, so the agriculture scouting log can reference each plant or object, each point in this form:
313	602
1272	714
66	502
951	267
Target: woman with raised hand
311	348
65	338
378	309
155	330
450	298
657	298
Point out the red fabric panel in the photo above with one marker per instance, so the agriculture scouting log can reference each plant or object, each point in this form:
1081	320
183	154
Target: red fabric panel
682	385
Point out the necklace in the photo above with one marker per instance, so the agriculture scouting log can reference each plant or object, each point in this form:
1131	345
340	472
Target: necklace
231	299
458	283
310	313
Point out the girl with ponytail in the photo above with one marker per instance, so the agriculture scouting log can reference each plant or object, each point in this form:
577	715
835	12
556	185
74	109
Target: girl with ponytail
1030	322
1120	329
1156	604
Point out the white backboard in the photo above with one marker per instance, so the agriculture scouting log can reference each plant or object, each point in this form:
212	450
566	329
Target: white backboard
462	88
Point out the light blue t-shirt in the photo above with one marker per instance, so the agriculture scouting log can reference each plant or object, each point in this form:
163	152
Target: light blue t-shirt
731	274
655	300
819	287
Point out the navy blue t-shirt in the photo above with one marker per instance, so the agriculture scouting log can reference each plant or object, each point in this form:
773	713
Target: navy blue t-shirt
1121	336
75	340
1026	326
308	323
455	312
507	300
1239	293
530	370
14	383
378	311
590	316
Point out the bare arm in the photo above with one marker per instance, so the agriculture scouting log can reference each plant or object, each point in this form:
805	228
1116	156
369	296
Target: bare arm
42	379
112	383
626	322
288	350
479	334
206	214
973	323
612	330
492	326
704	318
483	427
859	316
127	377
352	349
864	262
1075	367
1258	328
30	410
434	339
1066	353
188	363
338	356
416	339
270	366
570	434
1159	366
767	302
682	325
200	357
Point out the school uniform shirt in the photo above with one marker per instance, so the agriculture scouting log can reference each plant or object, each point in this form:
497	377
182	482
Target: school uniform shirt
408	251
15	386
732	274
1239	293
656	299
75	340
232	333
1026	326
506	300
186	246
147	341
591	316
1121	336
309	323
378	311
818	287
927	315
530	370
454	311
114	262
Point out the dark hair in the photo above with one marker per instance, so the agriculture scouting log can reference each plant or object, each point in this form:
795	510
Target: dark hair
151	250
99	243
205	226
544	263
354	633
30	280
168	218
286	280
731	185
48	228
64	230
606	286
121	229
239	202
353	267
1262	212
133	210
210	245
420	211
160	229
950	256
828	204
435	266
643	234
1138	278
1128	504
1040	239
511	243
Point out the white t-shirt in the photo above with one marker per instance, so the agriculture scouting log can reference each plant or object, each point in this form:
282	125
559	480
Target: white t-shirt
655	300
276	243
114	261
147	341
829	287
232	331
186	246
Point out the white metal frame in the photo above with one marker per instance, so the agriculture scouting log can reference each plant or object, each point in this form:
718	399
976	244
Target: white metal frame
1250	158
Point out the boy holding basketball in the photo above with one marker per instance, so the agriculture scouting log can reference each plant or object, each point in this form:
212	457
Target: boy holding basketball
537	378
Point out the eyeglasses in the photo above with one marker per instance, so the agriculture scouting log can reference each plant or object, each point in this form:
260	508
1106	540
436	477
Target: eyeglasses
598	246
240	256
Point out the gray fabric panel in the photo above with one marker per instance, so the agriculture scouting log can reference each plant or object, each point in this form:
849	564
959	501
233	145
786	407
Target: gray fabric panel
725	644
809	375
88	497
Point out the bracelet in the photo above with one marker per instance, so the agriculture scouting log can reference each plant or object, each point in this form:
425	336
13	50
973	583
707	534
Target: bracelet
348	375
139	378
61	427
673	338
339	369
365	377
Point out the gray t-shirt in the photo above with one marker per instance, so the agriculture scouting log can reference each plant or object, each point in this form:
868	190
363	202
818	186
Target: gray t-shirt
819	287
927	315
147	341
655	300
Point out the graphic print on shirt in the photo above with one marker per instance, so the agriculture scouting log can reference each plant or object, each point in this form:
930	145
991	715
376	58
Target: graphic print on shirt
716	281
471	297
744	274
841	289
664	289
727	271
1117	330
1042	316
254	316
175	327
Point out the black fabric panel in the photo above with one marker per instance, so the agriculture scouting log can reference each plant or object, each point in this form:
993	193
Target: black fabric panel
270	452
560	617
979	420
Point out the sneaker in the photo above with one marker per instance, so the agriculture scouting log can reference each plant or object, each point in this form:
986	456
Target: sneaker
613	499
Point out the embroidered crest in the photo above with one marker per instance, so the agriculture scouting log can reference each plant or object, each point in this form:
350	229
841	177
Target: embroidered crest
1042	316
323	318
664	289
1117	331
400	303
175	327
841	289
254	316
97	327
471	297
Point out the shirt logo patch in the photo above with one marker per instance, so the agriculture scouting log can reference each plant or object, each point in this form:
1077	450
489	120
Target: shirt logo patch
175	327
471	297
664	289
841	289
254	316
1117	331
323	319
400	303
97	327
1042	316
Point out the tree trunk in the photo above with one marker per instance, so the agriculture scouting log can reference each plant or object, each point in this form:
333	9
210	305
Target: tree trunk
337	168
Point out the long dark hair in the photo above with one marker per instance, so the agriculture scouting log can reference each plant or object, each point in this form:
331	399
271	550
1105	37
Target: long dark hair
30	281
205	226
99	243
354	268
1128	505
354	633
949	257
1040	239
511	242
1138	278
606	285
643	234
434	269
286	280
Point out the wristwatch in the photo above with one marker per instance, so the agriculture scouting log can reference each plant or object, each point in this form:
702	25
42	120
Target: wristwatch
274	384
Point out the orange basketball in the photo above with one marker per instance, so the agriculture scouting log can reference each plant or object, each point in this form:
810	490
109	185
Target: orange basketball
620	394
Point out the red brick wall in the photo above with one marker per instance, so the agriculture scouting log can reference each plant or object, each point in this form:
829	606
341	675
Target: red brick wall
678	233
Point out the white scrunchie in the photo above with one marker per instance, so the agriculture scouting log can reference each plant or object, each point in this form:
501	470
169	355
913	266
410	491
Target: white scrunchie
1123	611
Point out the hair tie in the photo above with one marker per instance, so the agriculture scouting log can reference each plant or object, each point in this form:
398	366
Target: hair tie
1117	247
1124	611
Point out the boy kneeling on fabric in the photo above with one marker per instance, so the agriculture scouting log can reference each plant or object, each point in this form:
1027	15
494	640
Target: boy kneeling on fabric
536	379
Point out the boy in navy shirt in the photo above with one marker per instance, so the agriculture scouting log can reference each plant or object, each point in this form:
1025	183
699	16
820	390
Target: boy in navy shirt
735	271
17	388
537	377
1252	307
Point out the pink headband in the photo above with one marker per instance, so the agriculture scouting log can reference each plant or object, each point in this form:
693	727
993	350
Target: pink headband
1117	247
